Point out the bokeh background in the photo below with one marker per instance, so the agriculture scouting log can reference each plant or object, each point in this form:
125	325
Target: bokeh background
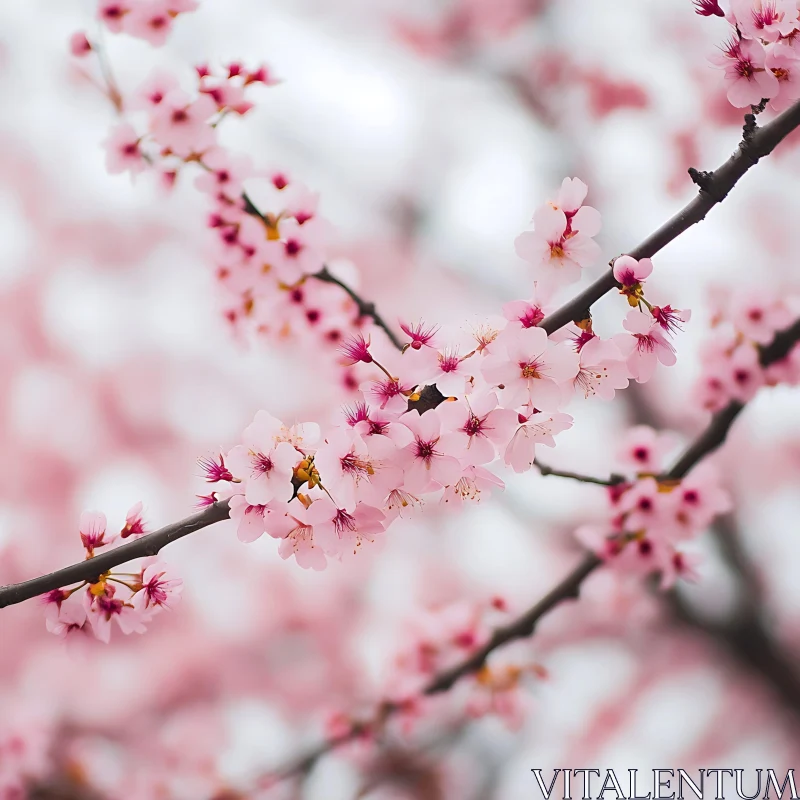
432	130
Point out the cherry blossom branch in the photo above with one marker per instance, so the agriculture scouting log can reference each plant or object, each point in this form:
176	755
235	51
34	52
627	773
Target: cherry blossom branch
714	435
365	307
90	569
714	188
569	587
614	480
520	628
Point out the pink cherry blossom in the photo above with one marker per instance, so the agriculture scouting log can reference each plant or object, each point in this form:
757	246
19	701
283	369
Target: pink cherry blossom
340	532
747	78
112	13
628	271
151	21
348	471
645	449
427	467
157	591
225	174
79	45
782	60
670	319
296	535
765	19
134	522
531	370
708	8
92	527
421	334
64	617
602	369
251	520
476	428
759	314
700	499
526	314
153	91
559	248
181	124
122	150
644	346
104	608
532	430
264	462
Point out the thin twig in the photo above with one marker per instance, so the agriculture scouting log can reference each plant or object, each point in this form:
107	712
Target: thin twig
365	308
614	480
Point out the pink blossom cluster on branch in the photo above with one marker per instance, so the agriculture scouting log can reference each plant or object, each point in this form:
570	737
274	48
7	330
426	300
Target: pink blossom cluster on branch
129	599
433	417
761	57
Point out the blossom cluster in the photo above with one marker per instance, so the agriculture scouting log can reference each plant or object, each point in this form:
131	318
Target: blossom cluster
430	421
129	599
151	20
745	320
653	516
761	57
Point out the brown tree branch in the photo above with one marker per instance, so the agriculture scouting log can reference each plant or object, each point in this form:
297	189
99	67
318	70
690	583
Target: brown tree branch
365	308
92	568
614	480
714	188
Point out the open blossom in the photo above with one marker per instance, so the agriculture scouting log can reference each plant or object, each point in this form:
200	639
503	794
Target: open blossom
65	618
151	21
645	449
349	472
251	520
767	20
181	124
559	248
427	466
340	532
157	590
103	608
759	314
782	60
644	346
225	174
264	462
122	150
476	428
531	370
602	369
112	13
532	430
561	243
296	535
746	75
670	319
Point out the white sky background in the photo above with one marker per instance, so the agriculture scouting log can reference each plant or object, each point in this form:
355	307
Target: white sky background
366	122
